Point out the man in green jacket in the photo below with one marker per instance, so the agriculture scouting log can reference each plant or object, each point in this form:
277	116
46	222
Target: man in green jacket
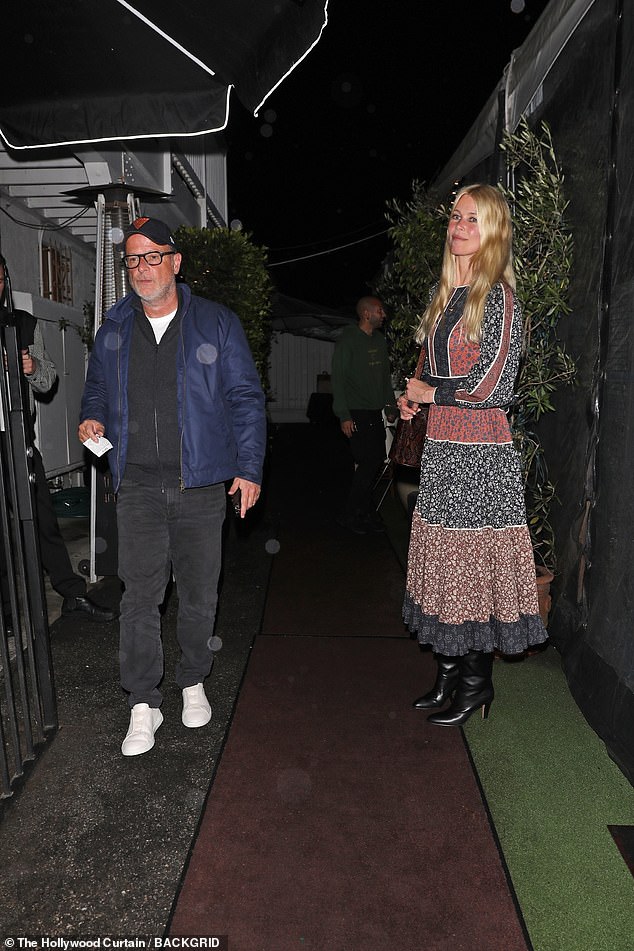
362	389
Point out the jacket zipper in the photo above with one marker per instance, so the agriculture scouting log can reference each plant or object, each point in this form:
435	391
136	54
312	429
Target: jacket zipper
119	473
156	432
183	404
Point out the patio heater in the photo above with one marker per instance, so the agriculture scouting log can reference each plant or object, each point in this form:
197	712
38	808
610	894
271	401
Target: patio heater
117	205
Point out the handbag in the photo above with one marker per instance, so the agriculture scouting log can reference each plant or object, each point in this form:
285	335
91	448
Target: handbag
409	438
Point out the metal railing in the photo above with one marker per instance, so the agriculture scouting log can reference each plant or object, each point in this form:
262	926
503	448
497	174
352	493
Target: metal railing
28	709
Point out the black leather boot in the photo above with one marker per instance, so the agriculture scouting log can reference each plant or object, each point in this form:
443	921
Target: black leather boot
446	682
475	689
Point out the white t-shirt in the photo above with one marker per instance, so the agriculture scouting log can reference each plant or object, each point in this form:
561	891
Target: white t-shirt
160	324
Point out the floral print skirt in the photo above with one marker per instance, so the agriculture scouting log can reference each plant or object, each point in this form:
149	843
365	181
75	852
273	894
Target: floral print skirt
471	571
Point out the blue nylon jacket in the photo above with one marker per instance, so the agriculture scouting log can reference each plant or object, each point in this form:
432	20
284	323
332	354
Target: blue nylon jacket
221	412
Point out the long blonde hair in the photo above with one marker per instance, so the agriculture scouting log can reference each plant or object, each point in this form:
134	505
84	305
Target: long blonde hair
492	262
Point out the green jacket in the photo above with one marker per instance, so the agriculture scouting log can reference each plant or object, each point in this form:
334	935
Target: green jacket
360	373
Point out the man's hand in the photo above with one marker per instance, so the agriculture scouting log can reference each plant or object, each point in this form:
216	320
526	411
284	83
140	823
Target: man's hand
249	493
90	429
29	363
348	427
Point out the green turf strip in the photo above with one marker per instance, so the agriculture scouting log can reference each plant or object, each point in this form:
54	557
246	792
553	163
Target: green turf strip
552	791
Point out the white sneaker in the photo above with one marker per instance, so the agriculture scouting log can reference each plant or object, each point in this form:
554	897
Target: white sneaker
196	709
144	722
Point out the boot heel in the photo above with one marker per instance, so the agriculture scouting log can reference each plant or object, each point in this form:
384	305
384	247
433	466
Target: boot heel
474	691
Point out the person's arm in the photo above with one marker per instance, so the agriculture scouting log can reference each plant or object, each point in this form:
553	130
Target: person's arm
245	399
38	367
389	405
93	411
491	380
339	369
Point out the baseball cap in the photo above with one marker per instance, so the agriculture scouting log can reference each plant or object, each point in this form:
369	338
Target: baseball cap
152	228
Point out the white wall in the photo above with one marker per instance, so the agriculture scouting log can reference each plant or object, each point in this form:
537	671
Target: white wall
56	419
20	239
295	365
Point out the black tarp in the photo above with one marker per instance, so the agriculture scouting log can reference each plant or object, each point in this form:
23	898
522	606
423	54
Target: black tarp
583	87
95	70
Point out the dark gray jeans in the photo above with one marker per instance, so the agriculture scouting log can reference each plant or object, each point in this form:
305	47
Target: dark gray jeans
163	530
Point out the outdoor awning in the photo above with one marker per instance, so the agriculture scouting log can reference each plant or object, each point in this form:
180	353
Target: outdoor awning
307	319
99	70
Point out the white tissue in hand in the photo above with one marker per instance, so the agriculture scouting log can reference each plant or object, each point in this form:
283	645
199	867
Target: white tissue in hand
103	445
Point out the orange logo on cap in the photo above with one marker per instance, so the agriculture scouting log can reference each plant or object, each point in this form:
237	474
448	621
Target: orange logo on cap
139	222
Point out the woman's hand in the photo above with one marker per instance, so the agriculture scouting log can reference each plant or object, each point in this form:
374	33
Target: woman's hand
406	408
419	392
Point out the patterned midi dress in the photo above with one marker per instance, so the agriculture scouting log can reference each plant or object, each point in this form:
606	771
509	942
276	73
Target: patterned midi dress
471	570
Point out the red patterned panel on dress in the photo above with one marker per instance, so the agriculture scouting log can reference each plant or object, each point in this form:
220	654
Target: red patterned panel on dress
492	376
459	356
462	352
460	576
455	424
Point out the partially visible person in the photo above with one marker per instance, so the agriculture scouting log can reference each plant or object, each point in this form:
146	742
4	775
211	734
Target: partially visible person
471	586
172	384
40	375
362	390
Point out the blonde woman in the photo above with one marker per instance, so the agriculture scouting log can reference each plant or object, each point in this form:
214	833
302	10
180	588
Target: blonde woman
471	572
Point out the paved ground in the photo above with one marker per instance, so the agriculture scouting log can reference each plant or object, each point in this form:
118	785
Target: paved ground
95	843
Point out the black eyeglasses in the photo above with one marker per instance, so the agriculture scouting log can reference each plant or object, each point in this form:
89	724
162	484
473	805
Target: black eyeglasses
153	258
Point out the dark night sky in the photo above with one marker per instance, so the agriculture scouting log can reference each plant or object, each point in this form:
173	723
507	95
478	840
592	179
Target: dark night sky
385	97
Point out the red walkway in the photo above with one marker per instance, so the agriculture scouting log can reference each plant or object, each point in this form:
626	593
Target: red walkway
338	818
